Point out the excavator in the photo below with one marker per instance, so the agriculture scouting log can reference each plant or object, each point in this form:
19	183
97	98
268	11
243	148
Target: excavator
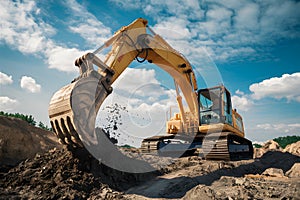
208	123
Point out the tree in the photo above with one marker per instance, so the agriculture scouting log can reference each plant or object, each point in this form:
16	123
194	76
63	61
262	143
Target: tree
43	126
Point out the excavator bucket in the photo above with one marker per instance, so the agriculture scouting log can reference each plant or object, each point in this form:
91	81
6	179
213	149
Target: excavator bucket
73	108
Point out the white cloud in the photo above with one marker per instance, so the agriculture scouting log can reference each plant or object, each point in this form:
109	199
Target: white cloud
232	30
141	85
24	29
146	101
219	14
229	30
247	17
5	79
20	30
139	88
129	4
283	128
87	25
239	92
280	17
7	104
63	59
284	87
172	30
241	102
133	78
29	84
90	31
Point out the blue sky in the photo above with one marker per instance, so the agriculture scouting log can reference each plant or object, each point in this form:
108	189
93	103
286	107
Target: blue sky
252	47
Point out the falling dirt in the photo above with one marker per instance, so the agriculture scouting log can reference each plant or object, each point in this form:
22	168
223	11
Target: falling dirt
59	173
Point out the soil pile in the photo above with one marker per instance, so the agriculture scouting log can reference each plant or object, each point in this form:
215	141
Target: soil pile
294	172
270	145
293	148
19	141
53	175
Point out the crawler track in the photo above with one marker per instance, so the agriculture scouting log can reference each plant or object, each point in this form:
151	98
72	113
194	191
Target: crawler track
215	146
226	146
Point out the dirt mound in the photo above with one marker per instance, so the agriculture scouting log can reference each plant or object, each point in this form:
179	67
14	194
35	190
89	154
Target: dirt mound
293	148
19	141
65	174
294	172
53	175
270	145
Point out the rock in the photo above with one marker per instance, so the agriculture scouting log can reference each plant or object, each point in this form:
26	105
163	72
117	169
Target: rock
294	172
239	181
272	145
273	172
197	192
293	148
258	152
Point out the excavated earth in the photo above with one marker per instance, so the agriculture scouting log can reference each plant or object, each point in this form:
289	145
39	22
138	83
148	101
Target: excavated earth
58	173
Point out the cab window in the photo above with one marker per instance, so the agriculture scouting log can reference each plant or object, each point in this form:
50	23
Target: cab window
210	111
239	123
227	107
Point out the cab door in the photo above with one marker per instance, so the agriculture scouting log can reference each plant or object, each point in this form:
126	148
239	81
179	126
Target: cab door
227	107
210	105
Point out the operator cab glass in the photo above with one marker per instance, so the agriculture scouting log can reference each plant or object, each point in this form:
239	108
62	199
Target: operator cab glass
239	123
215	106
227	109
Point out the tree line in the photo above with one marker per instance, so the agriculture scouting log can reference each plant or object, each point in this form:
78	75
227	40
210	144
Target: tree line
283	141
28	118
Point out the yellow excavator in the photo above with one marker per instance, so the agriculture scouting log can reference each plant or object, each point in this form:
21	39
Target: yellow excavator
208	123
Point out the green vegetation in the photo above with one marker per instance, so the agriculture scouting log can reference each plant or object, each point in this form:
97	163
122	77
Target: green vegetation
45	127
284	141
257	145
28	118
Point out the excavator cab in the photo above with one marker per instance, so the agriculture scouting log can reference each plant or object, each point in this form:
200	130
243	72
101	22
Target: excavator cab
215	106
216	113
222	125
